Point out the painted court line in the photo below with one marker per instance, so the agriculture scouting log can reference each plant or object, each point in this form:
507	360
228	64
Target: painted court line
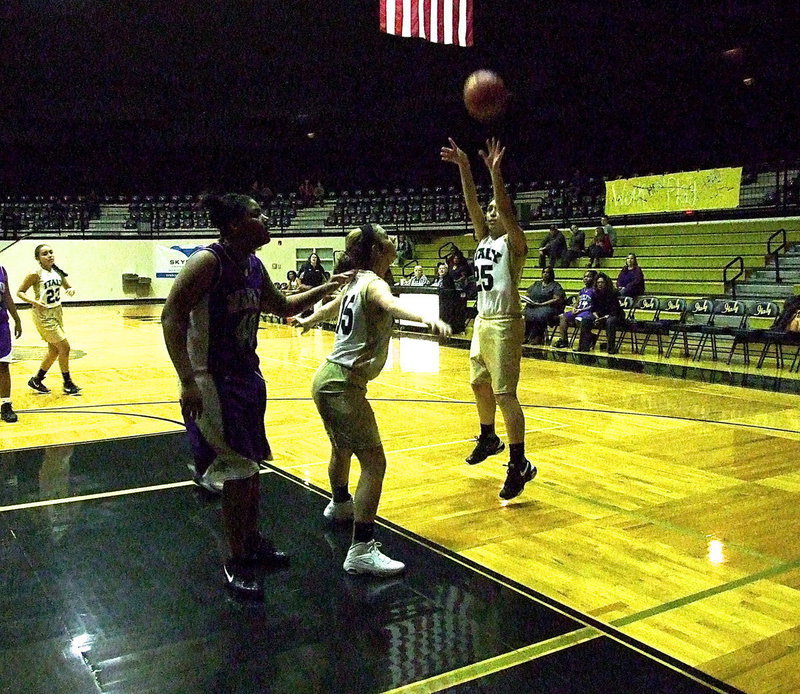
105	495
498	663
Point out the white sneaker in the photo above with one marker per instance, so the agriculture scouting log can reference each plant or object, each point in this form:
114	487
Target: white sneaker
339	511
366	558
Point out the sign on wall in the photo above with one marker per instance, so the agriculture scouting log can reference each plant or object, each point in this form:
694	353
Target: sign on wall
170	259
710	189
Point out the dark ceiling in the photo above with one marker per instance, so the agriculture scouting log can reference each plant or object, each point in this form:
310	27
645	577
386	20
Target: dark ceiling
219	86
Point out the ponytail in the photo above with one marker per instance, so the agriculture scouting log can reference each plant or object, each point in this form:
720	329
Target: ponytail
55	267
359	245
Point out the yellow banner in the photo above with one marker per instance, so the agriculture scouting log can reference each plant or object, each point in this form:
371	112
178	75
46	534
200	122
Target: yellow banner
711	189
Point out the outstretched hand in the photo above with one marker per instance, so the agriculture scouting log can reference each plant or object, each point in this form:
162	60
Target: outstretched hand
343	277
439	327
493	154
302	324
454	154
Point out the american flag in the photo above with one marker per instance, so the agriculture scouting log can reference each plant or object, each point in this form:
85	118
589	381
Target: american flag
439	21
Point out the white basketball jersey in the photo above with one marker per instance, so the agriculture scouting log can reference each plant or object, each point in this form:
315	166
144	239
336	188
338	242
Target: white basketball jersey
48	288
363	330
497	275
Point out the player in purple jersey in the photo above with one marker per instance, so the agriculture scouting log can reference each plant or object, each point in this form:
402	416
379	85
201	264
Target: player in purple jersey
210	323
7	307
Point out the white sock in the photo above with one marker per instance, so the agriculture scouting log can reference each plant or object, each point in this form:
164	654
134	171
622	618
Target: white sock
5	400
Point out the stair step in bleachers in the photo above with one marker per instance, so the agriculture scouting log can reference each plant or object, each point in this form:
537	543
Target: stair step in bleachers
678	259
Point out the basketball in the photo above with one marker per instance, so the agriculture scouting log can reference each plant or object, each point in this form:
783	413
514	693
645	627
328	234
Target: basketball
485	95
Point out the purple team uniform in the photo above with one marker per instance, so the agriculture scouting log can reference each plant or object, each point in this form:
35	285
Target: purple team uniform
222	347
584	307
5	331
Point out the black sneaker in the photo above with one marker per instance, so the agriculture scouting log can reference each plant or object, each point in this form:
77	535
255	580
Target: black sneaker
37	385
485	447
515	480
240	579
265	554
7	413
560	344
71	389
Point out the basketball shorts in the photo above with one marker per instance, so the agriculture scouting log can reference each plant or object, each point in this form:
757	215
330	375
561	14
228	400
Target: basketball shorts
229	439
5	341
50	324
346	413
573	316
496	351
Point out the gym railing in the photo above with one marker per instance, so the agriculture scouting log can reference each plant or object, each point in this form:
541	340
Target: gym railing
731	281
775	252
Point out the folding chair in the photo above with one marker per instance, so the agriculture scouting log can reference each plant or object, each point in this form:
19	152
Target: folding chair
728	316
698	315
778	339
671	311
761	316
645	309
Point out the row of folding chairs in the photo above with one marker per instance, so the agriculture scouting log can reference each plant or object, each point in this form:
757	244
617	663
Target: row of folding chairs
670	319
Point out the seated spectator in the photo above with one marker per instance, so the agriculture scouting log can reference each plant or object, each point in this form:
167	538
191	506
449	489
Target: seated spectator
292	281
418	279
543	303
577	245
606	313
553	249
609	230
443	279
601	247
312	274
630	281
461	272
581	310
789	320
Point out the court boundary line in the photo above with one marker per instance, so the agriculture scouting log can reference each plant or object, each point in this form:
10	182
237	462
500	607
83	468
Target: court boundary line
609	630
533	406
605	629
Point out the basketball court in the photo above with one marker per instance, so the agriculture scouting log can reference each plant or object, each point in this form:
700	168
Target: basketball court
655	551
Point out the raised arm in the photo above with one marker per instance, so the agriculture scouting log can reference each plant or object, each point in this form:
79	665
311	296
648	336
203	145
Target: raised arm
380	293
493	157
274	302
322	314
457	156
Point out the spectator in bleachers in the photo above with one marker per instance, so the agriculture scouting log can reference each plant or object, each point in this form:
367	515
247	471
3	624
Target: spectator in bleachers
418	279
601	247
609	230
312	274
292	281
461	272
630	281
606	313
789	320
582	309
543	303
405	249
553	249
577	245
443	279
306	190
319	194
